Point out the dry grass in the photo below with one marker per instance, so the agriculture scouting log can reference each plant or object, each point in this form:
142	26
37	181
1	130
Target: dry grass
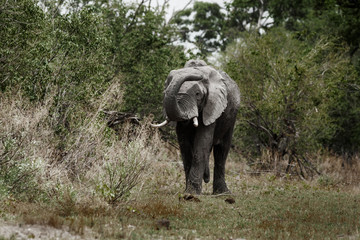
338	170
27	140
82	161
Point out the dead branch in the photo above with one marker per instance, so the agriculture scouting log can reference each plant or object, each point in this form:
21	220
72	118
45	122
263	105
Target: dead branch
114	118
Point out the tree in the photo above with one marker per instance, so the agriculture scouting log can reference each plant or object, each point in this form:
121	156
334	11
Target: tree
202	25
24	47
310	20
80	50
290	93
244	15
143	53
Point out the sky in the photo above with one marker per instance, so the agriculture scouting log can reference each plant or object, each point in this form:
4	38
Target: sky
175	5
178	5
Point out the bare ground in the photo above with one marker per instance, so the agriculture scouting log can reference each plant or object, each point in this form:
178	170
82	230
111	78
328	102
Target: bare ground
26	231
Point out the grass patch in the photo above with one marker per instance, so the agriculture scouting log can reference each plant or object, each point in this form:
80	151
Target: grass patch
264	208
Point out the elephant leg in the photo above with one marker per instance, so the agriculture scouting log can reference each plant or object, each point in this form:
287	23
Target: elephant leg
207	172
220	154
199	169
185	138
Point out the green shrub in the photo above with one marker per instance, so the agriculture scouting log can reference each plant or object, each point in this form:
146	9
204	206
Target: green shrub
144	54
289	93
17	172
25	48
118	176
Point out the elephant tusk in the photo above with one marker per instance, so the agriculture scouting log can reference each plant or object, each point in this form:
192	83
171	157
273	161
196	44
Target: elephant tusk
160	124
195	121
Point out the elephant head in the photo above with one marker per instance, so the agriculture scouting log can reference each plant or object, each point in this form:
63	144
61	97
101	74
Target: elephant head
195	91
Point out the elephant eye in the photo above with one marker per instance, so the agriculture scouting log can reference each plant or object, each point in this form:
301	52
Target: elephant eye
197	93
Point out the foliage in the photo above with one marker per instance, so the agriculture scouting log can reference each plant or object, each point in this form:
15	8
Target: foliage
24	44
290	92
17	173
247	15
20	154
205	21
82	67
76	60
75	55
313	18
143	54
308	18
64	55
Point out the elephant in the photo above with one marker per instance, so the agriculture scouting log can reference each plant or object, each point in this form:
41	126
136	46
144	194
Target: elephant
204	103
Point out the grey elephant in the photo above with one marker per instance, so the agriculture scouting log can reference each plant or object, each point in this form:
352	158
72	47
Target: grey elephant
204	103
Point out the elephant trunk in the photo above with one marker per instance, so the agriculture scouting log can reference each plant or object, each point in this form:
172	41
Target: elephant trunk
172	102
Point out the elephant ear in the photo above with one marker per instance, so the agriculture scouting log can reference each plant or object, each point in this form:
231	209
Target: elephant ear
217	98
169	79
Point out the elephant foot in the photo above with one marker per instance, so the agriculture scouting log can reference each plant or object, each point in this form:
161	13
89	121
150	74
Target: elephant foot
193	188
192	191
222	192
220	188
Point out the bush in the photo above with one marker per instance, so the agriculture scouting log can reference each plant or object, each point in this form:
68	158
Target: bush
118	176
289	91
76	55
25	48
18	177
25	148
144	54
71	67
109	163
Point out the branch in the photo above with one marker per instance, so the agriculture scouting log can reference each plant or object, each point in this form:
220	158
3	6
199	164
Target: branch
175	13
268	131
258	114
132	22
114	118
164	5
261	12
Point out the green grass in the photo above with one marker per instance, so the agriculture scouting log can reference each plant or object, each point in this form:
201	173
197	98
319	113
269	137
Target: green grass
264	208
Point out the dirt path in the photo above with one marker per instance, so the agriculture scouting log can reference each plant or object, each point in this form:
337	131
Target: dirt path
19	231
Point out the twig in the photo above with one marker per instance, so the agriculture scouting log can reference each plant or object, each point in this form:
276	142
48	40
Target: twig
132	22
177	12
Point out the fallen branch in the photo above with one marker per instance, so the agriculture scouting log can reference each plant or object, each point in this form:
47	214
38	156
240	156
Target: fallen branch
114	118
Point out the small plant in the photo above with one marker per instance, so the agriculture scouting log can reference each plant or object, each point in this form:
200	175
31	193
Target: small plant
17	173
120	175
18	179
326	181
